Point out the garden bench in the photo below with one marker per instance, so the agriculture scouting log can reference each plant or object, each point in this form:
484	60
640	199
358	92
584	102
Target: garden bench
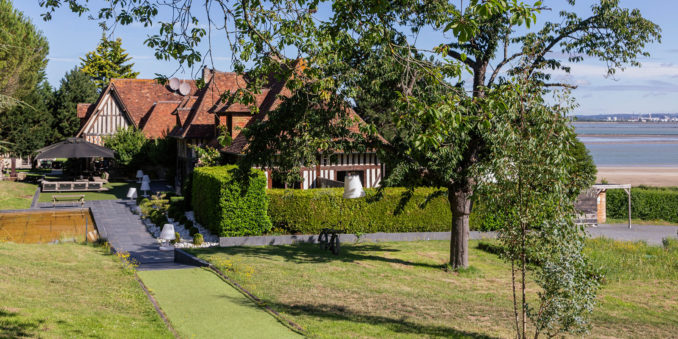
79	198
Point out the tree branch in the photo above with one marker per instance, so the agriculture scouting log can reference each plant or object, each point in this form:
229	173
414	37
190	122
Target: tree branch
500	65
560	84
565	34
470	62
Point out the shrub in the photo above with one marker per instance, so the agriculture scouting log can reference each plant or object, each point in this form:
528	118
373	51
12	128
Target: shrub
193	230
158	217
177	238
177	203
647	203
229	202
198	239
127	144
310	211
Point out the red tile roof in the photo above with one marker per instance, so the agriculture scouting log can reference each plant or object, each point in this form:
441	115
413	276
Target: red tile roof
84	110
159	111
138	96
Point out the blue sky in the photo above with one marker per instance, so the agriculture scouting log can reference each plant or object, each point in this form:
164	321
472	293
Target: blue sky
648	89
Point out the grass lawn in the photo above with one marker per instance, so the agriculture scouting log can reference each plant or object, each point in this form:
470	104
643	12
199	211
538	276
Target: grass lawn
71	291
200	304
116	190
400	289
16	195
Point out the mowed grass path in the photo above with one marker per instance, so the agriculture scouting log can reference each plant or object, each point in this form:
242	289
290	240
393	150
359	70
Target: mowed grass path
71	291
200	304
401	290
16	195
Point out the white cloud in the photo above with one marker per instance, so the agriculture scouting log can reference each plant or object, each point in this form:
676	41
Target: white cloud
648	70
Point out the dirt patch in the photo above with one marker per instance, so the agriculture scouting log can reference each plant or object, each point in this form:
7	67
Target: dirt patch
400	266
364	264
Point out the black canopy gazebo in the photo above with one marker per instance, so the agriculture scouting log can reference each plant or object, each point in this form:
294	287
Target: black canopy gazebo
73	148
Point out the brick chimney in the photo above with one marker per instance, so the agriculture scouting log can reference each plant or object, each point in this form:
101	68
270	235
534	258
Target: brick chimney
207	74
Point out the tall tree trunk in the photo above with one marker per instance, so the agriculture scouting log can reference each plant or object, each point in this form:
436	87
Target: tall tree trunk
460	205
12	173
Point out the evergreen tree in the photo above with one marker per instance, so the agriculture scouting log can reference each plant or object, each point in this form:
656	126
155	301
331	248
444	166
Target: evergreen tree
23	52
76	87
27	127
108	61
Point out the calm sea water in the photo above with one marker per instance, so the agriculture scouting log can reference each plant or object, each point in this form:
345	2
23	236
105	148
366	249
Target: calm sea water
630	144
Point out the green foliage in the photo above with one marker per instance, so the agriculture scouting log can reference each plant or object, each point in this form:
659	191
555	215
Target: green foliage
623	260
193	230
177	238
198	239
647	203
583	168
207	156
155	209
128	144
108	62
309	211
23	55
76	87
230	202
133	150
27	127
531	192
176	208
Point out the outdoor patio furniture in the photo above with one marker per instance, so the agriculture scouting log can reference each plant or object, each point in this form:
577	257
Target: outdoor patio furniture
74	198
72	186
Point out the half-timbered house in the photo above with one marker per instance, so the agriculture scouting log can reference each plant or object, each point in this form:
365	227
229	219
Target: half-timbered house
194	117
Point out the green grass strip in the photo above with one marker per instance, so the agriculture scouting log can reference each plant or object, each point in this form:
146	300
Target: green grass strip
200	304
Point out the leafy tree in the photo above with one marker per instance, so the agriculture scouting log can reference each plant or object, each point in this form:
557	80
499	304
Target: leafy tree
450	150
108	61
76	87
531	192
23	52
128	144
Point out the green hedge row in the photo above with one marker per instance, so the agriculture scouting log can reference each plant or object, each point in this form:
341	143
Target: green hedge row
229	205
309	211
647	203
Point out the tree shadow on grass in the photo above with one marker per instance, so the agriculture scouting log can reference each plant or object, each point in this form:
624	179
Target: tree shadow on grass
14	326
338	313
313	253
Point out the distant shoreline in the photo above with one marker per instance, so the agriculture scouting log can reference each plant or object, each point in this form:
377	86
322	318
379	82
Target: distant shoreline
625	122
636	175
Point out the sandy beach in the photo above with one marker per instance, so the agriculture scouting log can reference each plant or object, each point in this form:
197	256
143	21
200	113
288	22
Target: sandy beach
641	175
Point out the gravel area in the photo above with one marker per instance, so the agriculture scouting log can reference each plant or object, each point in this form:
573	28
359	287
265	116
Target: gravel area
652	234
186	239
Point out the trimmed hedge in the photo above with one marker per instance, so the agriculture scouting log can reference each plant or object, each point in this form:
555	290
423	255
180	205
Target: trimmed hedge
229	205
309	211
647	203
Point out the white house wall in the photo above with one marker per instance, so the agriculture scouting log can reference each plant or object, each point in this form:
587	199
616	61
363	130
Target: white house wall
368	163
107	120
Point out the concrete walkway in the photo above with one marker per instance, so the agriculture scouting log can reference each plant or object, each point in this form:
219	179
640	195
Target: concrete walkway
126	233
652	234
